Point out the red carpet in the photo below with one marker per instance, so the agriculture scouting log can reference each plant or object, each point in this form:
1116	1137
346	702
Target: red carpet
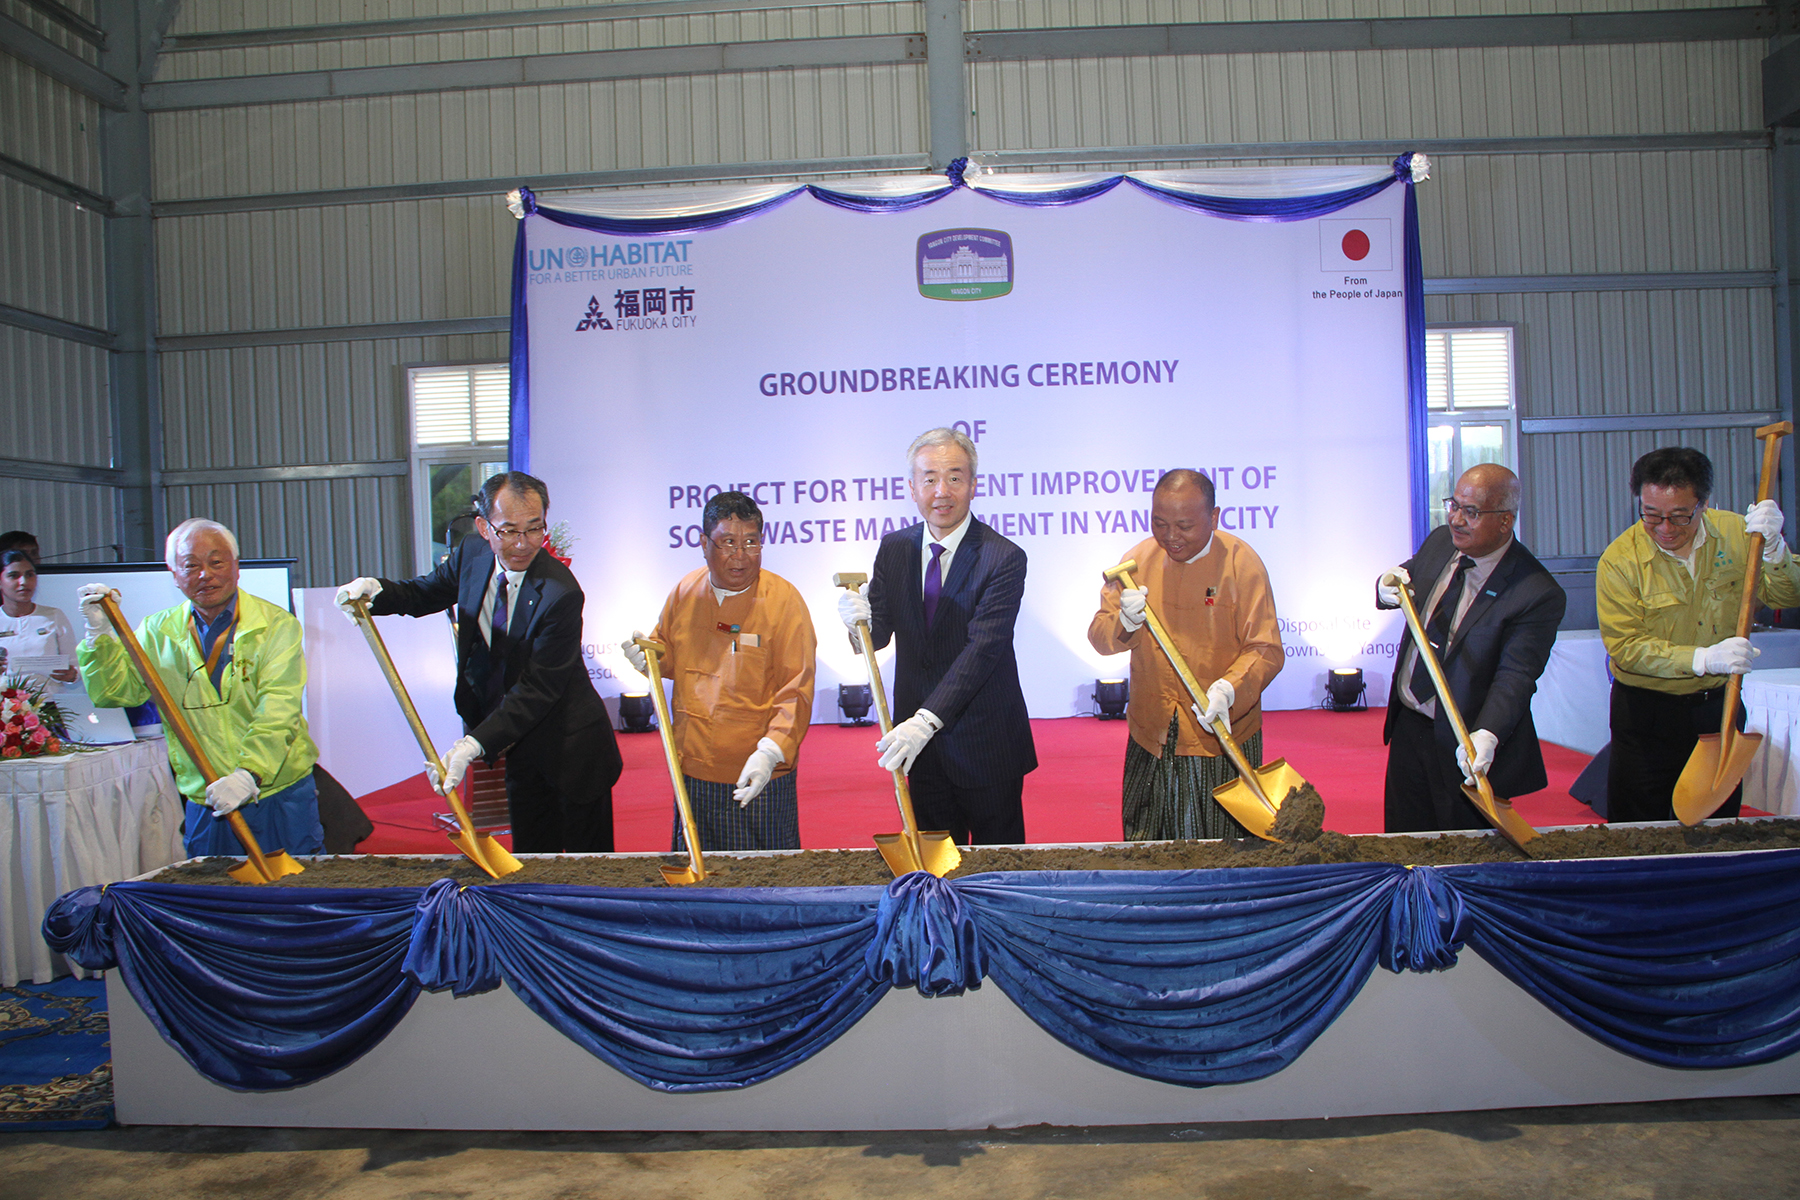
1073	796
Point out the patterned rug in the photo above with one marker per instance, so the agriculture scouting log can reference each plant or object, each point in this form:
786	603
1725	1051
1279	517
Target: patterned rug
55	1056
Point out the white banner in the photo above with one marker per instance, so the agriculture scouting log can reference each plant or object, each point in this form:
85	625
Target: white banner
1086	349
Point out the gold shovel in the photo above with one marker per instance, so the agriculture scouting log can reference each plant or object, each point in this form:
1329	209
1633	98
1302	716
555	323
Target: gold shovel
695	871
481	849
258	867
909	850
1255	796
1497	809
1719	760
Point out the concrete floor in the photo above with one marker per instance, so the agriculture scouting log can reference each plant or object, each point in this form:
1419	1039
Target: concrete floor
1743	1149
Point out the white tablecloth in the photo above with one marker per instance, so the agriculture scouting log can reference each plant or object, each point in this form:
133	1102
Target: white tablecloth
71	821
1772	708
1574	698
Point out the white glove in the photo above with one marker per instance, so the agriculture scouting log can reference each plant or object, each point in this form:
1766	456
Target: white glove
901	744
1764	517
853	606
1219	699
1730	657
90	595
759	768
456	765
1387	588
364	589
1131	608
1485	745
634	654
231	793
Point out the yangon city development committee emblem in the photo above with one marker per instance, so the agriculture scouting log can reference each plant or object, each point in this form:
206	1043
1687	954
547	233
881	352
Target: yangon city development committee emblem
965	264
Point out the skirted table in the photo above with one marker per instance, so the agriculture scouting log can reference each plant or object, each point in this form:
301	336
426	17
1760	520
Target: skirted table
999	999
71	820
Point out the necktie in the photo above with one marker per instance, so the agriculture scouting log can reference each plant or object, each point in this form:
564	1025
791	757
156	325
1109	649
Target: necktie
496	681
934	583
1437	631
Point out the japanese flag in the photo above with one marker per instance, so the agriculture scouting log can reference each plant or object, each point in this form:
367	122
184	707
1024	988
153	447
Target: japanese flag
1356	245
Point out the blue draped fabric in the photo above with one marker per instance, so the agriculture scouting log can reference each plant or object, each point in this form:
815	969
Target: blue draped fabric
1285	208
1683	962
518	438
258	988
705	990
1417	417
1190	977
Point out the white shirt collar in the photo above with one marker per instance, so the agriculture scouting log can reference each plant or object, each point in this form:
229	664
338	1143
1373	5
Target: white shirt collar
1204	550
951	540
1693	551
720	595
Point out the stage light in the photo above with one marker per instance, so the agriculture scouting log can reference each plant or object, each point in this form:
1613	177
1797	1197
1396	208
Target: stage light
855	699
1110	697
1344	690
638	712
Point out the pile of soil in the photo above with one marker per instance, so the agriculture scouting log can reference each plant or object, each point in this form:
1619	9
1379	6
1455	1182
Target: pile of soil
1298	825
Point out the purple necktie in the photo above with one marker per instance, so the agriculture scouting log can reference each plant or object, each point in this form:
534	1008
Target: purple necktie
934	583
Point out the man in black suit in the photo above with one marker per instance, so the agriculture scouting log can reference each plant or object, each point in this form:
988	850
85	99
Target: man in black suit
1491	611
949	602
522	688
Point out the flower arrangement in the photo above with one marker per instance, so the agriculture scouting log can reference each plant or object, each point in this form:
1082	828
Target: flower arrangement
558	541
31	724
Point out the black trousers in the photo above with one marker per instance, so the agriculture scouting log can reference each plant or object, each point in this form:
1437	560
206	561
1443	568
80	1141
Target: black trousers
547	819
978	816
1424	785
1653	736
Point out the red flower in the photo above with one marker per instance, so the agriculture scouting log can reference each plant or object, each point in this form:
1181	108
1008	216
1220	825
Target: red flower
53	746
10	752
40	737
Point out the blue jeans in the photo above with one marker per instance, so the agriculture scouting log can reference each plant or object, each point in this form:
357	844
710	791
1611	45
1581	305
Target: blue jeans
285	820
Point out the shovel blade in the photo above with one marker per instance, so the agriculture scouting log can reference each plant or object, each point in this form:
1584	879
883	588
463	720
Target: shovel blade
681	876
1236	797
486	853
1712	773
279	863
937	855
1504	817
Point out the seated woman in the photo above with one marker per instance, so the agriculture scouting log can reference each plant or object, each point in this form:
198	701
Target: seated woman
29	630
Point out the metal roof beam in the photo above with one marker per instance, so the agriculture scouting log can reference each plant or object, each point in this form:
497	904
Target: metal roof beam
70	20
518	18
22	318
26	44
1229	37
56	185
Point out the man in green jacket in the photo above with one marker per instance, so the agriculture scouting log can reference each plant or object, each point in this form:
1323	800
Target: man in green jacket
1668	591
233	664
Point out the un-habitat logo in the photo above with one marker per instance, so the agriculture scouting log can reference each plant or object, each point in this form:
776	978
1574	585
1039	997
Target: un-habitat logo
965	264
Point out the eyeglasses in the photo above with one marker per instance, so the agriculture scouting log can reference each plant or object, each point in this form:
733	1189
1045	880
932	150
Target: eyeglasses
1680	520
531	533
1469	511
729	546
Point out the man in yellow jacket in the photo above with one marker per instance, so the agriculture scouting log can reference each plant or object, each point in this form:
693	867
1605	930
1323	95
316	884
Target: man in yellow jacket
1668	591
233	664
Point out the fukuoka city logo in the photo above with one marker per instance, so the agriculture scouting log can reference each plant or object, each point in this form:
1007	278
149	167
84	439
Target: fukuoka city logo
965	264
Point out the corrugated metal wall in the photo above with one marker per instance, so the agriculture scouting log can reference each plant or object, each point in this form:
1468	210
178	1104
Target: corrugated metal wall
311	265
52	264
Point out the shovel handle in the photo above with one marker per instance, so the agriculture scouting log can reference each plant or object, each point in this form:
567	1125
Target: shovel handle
909	821
1771	436
690	831
366	623
1436	671
184	733
1233	751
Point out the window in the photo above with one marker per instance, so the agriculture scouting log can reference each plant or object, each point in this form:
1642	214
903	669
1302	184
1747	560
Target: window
1469	400
461	421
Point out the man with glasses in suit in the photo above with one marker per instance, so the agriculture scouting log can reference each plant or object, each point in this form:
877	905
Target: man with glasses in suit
233	662
1668	591
522	687
1490	610
947	592
740	650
